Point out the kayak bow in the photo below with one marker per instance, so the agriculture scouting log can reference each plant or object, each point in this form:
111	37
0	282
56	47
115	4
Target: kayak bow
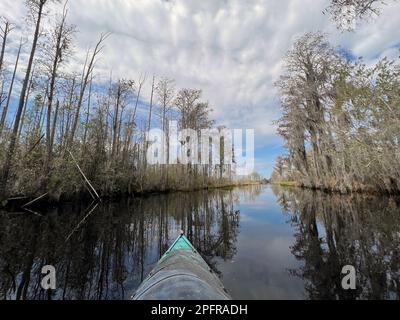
181	274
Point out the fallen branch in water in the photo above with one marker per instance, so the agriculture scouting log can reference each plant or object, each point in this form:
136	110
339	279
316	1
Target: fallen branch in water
86	179
93	207
17	198
34	200
33	212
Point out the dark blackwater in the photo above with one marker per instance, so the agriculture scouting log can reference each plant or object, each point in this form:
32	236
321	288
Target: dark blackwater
265	243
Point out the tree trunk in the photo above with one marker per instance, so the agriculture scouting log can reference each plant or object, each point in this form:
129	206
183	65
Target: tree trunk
151	105
26	104
13	139
5	110
85	79
88	111
3	45
115	122
53	77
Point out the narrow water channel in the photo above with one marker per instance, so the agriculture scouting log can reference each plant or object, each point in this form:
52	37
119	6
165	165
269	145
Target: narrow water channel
264	242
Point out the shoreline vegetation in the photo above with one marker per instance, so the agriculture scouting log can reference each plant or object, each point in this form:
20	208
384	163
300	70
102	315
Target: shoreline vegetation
19	202
340	122
72	134
372	192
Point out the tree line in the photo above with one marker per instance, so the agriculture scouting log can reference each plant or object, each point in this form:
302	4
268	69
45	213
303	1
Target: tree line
65	120
340	116
341	119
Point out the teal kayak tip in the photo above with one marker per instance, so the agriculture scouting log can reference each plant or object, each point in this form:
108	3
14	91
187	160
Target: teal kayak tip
180	243
181	274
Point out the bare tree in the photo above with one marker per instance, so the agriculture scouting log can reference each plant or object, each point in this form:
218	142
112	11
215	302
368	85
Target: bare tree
121	93
36	8
5	110
30	88
165	92
86	74
151	104
346	12
4	34
88	110
165	95
57	50
193	113
131	123
5	30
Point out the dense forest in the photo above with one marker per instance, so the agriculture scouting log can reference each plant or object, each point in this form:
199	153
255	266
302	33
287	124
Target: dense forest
68	134
341	119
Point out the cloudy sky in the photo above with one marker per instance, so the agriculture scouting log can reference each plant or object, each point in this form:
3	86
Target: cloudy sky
231	49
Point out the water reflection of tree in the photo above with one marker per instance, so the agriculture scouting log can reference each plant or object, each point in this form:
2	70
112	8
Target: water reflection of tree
110	251
333	231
